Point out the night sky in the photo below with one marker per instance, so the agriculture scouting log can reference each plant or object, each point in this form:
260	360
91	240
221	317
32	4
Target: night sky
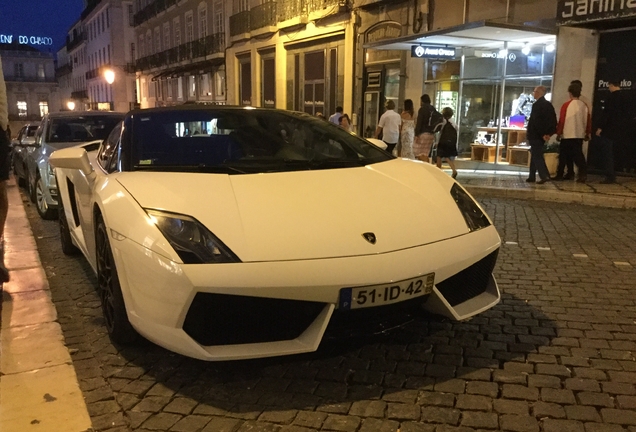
44	18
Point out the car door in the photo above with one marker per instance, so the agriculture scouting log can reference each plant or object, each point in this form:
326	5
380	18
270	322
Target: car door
18	152
31	154
104	163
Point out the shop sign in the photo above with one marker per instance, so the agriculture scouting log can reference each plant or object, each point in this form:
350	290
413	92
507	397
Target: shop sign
26	40
382	31
582	11
429	51
496	55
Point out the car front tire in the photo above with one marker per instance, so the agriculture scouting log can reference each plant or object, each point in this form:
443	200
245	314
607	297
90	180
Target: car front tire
113	307
42	206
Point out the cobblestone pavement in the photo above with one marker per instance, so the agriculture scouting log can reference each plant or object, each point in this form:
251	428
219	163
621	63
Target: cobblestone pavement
556	355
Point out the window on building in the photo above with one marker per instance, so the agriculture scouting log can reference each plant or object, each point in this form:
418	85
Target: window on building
219	20
103	22
241	6
132	52
219	83
18	70
44	108
131	16
176	27
203	20
166	35
189	36
107	19
192	87
149	43
142	46
108	53
41	74
157	40
180	88
170	84
204	85
22	108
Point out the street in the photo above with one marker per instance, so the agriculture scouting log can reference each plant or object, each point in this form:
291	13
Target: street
556	355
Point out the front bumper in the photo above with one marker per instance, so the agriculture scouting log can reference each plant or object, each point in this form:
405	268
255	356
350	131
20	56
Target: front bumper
192	309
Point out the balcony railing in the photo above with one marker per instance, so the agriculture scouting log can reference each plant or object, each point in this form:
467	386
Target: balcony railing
263	15
152	10
272	12
80	94
93	73
288	9
240	23
90	5
210	44
63	70
70	44
32	79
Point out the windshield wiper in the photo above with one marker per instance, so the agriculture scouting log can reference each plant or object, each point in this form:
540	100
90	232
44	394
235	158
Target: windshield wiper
202	168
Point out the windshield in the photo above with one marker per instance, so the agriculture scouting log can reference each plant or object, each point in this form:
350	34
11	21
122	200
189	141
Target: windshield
240	141
81	128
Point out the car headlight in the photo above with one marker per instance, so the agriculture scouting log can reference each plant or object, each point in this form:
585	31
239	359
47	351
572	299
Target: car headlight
193	242
474	217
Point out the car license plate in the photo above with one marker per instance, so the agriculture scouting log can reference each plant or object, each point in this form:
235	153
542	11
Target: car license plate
378	295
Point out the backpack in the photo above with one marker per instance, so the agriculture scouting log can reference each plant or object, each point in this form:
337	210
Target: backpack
448	137
435	121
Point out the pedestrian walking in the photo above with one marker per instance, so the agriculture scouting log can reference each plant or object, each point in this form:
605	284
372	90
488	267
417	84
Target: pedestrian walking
613	129
541	126
428	118
4	169
574	126
389	126
407	131
344	122
336	116
447	144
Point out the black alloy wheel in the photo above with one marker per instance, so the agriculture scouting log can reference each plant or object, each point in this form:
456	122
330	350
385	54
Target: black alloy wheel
119	328
41	205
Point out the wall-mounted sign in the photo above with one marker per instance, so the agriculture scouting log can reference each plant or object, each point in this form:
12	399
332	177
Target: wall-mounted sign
429	51
26	40
384	30
496	55
582	11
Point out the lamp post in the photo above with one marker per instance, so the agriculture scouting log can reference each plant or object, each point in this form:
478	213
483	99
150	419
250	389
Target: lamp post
109	76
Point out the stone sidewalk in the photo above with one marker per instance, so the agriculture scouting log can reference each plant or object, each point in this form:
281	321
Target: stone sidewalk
38	384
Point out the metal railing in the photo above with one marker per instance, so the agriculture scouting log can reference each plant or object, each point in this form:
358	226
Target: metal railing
93	73
263	15
240	23
80	94
316	5
210	44
152	10
64	70
70	44
22	78
288	9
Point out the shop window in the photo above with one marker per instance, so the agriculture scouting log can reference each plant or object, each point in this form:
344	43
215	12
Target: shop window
219	83
204	81
245	85
22	108
268	80
192	87
314	88
44	108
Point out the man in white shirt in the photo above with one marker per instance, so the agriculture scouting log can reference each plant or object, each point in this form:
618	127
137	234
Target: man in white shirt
335	117
389	126
574	126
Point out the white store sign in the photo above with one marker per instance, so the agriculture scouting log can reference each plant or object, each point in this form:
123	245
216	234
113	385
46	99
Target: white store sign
26	40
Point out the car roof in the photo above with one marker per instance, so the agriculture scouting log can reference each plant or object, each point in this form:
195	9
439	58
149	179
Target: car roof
205	107
63	114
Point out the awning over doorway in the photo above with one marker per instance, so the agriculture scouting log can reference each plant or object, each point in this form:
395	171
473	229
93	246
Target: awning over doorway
480	34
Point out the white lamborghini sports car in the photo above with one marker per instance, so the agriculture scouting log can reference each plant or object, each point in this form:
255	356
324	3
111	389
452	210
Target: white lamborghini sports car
230	233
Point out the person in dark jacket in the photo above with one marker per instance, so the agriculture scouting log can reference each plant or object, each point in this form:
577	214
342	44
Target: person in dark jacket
613	127
424	134
541	125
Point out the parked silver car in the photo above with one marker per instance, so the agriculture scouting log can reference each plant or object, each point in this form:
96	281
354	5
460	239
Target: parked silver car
60	130
20	146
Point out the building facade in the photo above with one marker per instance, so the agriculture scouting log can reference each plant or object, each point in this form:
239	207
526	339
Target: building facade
32	89
100	51
180	51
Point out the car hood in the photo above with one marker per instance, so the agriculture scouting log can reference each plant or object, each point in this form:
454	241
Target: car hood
310	214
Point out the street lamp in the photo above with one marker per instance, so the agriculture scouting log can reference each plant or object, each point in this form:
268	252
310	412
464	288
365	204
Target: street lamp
70	105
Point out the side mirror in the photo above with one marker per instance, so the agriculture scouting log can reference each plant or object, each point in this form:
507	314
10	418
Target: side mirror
72	158
378	143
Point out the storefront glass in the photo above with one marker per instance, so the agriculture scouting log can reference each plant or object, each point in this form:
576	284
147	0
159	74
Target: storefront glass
491	123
